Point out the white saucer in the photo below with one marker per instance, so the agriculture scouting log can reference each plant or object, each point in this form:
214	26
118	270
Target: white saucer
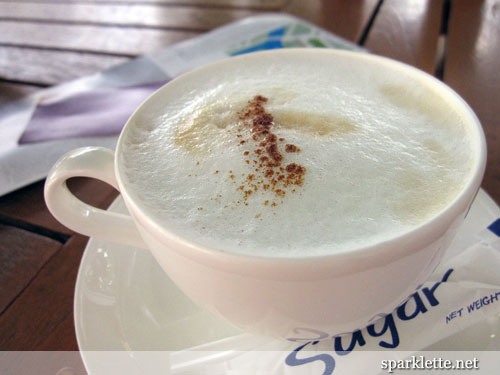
124	301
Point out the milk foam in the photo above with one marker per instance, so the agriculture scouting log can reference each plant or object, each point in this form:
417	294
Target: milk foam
382	154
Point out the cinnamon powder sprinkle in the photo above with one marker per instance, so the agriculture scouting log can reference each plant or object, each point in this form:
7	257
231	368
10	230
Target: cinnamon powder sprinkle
291	148
263	150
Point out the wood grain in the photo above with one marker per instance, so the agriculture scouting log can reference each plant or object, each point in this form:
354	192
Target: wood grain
22	254
347	19
28	205
407	31
471	68
112	40
63	337
32	319
134	14
51	67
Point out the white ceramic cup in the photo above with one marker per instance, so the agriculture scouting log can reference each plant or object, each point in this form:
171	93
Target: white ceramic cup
329	294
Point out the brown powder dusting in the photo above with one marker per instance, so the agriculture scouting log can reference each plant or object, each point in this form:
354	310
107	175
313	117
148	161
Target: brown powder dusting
291	148
274	153
263	150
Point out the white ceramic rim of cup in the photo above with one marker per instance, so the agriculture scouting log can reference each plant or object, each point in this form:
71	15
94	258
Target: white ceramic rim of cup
428	231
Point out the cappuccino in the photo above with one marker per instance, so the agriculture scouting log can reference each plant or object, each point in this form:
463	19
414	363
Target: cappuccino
301	157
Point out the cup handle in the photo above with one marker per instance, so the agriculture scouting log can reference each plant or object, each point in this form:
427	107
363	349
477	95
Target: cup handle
95	162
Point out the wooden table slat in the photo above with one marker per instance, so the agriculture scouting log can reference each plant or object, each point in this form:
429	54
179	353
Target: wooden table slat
62	336
124	41
51	67
347	19
471	68
145	15
408	32
28	324
22	254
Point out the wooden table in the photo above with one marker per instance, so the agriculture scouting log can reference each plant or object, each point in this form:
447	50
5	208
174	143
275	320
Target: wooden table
47	42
